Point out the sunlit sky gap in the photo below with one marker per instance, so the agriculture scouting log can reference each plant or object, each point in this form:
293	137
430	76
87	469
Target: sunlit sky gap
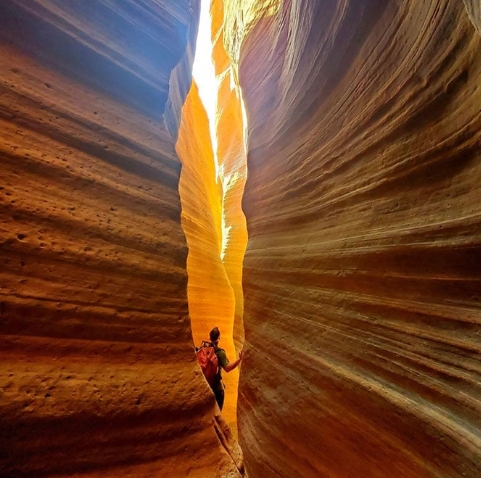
203	69
204	75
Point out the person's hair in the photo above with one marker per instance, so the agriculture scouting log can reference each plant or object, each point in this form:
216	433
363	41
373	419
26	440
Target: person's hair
214	334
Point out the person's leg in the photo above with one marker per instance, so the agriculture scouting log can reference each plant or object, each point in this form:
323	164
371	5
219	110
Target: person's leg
219	396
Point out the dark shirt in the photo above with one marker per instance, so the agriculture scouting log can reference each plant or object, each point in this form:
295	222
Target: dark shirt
223	362
222	357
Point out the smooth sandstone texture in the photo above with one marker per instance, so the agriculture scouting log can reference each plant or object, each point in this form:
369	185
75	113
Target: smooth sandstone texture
362	278
97	371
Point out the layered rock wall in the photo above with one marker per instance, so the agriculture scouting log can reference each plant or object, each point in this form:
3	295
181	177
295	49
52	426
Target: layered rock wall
361	280
98	375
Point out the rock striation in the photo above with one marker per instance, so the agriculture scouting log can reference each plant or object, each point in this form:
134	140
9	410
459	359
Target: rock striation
98	375
361	275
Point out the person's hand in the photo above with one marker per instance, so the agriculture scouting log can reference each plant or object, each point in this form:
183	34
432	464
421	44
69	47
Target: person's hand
241	353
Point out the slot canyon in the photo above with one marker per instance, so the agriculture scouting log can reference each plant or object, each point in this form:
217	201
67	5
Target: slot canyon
330	226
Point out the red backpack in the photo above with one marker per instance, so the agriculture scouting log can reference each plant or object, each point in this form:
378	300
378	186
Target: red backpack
207	359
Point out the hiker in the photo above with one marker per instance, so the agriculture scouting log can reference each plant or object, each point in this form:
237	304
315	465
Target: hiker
218	385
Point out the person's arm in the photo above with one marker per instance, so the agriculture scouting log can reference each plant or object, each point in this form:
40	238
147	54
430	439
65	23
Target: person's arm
232	365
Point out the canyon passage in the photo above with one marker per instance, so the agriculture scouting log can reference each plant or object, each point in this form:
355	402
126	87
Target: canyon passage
328	220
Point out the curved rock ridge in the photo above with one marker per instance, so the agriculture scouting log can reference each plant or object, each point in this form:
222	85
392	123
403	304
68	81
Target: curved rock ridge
98	375
361	279
474	12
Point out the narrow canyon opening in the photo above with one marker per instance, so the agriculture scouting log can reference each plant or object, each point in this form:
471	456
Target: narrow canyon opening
122	239
211	147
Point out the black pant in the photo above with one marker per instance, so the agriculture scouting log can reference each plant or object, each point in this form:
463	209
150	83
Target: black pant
218	390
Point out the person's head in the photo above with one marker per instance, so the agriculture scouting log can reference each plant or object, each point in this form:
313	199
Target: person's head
214	334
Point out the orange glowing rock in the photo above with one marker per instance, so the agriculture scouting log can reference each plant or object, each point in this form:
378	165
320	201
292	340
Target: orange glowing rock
211	189
210	292
231	156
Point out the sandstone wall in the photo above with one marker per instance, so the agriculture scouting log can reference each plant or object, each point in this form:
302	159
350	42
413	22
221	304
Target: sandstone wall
361	280
98	375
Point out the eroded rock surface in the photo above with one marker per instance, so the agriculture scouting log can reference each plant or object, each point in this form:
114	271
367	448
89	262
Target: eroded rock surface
98	375
361	279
